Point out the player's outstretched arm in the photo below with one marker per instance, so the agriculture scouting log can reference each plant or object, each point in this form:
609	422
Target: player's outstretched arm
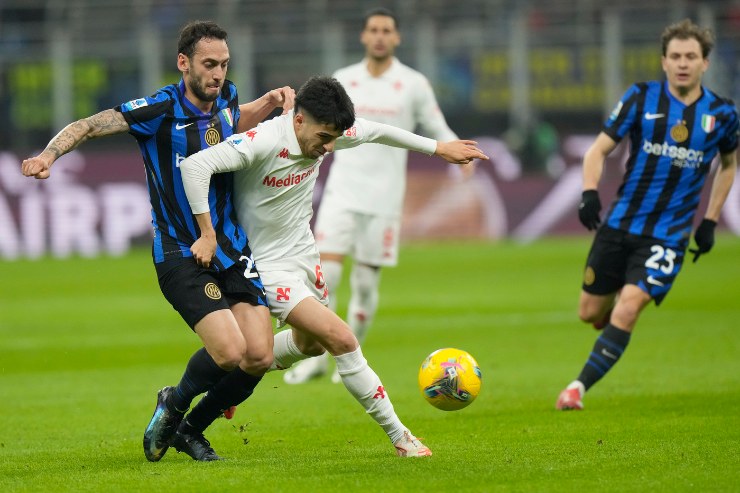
254	112
459	151
107	122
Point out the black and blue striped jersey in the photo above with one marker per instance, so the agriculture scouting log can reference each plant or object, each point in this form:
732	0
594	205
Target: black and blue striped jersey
672	146
170	128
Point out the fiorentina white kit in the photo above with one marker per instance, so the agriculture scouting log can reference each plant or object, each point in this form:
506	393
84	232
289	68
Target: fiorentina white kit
273	191
360	210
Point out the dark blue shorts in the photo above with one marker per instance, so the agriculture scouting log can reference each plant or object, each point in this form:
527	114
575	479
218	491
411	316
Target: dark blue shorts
618	258
195	291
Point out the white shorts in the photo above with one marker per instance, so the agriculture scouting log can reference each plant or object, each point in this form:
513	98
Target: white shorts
291	281
369	239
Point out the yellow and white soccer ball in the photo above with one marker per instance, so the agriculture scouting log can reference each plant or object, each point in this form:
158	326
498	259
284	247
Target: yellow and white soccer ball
449	379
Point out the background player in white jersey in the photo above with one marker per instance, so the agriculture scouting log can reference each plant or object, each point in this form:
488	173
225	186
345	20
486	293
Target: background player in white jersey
276	167
360	212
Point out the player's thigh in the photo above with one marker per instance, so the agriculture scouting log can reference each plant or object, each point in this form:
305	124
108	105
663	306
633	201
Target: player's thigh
630	304
323	325
335	229
378	240
255	325
222	338
654	265
606	263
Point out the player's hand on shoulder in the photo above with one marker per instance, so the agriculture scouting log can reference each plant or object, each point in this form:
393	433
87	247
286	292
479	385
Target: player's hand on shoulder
704	237
283	97
459	151
589	209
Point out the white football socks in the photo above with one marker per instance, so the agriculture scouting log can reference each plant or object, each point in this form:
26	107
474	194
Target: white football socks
365	385
363	303
285	352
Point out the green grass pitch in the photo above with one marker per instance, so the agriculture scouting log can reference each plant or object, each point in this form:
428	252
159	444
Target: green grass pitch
86	343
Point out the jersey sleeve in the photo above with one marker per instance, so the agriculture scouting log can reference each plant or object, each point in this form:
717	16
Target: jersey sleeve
624	115
729	141
196	171
428	115
145	115
367	131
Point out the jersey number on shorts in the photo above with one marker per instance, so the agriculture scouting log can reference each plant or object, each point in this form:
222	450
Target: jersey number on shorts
249	272
319	278
660	253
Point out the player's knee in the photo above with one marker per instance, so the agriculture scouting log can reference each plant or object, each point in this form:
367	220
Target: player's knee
342	341
227	360
257	363
625	316
229	354
588	314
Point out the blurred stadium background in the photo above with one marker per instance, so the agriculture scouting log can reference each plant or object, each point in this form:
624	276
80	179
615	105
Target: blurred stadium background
531	80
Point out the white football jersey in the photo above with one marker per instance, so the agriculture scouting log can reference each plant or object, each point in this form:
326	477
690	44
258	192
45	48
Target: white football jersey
274	182
372	179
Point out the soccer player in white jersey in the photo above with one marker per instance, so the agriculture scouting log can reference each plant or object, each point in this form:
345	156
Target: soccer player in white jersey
360	212
276	165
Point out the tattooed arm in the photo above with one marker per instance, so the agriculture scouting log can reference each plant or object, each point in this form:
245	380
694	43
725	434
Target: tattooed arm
107	122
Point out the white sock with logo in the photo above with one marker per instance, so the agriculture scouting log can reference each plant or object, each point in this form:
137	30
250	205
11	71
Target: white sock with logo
365	385
363	304
285	352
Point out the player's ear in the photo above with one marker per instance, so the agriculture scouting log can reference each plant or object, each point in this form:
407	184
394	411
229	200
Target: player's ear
183	63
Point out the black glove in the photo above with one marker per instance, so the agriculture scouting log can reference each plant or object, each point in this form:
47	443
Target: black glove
704	238
589	208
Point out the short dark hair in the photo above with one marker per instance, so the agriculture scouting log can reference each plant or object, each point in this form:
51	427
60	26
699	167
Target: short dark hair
195	31
326	101
379	11
687	30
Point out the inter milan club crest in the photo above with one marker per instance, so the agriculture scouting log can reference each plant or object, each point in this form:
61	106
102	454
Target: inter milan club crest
679	132
212	137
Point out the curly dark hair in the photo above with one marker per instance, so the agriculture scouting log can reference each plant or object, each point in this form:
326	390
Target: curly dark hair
194	32
687	30
326	101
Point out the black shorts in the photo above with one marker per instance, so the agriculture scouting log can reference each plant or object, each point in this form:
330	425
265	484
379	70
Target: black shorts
195	291
618	258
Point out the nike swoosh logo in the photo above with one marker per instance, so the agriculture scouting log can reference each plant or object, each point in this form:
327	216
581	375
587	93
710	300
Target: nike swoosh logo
653	116
654	281
608	354
180	127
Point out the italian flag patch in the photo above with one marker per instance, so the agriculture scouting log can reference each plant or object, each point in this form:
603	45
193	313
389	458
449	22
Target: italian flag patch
707	123
229	119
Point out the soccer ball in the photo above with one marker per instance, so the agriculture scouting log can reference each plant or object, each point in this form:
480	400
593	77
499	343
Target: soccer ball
449	379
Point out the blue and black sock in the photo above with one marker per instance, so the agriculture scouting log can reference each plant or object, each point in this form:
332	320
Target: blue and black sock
200	375
232	390
606	352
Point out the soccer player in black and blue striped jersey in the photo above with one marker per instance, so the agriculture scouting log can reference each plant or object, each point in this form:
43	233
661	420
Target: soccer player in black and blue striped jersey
676	129
223	301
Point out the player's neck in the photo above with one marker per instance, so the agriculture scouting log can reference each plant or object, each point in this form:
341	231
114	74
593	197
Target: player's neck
378	66
686	95
204	106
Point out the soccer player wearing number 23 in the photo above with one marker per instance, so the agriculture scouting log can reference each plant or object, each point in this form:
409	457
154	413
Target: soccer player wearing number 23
676	129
